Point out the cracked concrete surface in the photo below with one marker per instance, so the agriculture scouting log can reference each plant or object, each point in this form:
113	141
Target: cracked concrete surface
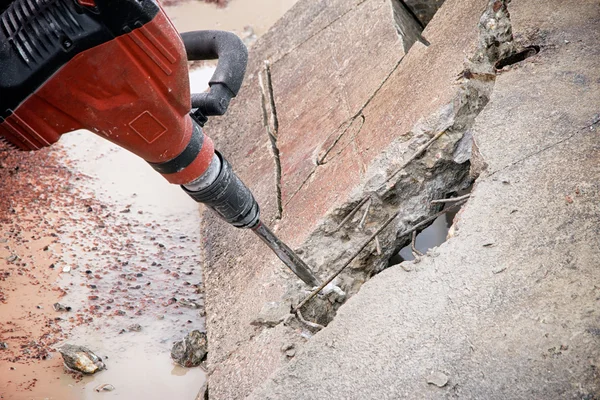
507	308
241	276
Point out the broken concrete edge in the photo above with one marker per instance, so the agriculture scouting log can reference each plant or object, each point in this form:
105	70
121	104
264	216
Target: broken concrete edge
403	194
443	169
444	165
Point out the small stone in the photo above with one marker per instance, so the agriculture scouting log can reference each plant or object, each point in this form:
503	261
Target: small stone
438	379
190	351
12	258
81	359
66	269
105	387
188	303
287	346
3	345
60	307
290	353
134	328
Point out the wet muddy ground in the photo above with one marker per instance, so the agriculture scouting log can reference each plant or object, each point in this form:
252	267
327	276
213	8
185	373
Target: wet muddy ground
93	228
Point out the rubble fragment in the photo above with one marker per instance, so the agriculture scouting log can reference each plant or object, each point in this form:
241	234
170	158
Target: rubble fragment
190	351
82	359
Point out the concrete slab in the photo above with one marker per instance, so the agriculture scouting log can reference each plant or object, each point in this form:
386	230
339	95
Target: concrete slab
508	307
368	86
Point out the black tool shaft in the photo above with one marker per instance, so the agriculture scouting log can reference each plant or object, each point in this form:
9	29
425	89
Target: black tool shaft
285	254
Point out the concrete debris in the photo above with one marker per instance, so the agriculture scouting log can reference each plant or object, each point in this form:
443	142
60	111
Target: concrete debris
272	314
81	359
190	351
438	379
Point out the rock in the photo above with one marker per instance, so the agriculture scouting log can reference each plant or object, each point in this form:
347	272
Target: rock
287	346
289	350
82	359
105	387
272	314
61	307
290	353
188	303
438	379
134	328
190	351
3	346
66	269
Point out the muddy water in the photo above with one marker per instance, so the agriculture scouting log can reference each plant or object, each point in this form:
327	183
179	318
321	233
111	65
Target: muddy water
432	236
260	15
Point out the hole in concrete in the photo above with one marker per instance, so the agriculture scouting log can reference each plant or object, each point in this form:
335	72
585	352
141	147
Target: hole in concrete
517	57
430	237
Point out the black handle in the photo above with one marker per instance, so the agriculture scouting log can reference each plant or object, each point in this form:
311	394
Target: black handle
229	75
229	197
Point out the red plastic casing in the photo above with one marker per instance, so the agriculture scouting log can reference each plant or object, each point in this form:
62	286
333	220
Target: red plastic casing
133	91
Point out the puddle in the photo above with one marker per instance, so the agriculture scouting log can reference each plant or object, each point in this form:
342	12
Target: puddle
432	236
260	15
133	254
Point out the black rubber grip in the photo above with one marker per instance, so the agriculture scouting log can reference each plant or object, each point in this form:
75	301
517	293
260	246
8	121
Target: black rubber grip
229	198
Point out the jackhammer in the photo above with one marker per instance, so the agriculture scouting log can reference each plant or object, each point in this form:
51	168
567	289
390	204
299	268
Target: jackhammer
119	68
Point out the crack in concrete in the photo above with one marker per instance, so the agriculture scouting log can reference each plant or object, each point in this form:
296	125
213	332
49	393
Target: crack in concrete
540	151
348	122
321	160
271	124
435	173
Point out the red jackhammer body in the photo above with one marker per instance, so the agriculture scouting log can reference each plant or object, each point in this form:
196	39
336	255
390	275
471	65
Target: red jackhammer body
119	68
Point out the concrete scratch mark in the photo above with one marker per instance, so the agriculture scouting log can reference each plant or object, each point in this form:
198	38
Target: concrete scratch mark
319	31
271	124
538	152
324	158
